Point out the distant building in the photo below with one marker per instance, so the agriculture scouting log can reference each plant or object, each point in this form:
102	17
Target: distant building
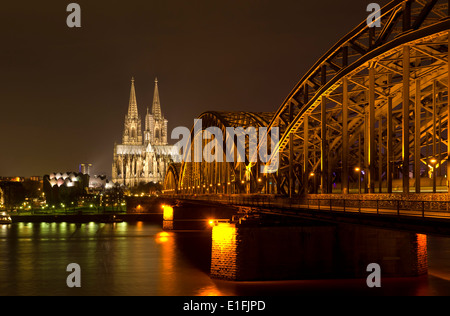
64	187
143	157
15	192
2	198
12	179
12	194
100	183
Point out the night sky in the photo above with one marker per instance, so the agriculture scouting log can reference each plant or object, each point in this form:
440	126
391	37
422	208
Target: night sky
64	91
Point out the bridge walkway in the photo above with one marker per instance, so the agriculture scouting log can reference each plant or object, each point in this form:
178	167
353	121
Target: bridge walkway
419	215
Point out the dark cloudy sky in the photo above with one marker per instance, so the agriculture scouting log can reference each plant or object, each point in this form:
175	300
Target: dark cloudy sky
64	91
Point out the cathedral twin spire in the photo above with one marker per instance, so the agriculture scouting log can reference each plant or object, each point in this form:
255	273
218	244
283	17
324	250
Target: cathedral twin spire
132	106
156	106
155	124
144	155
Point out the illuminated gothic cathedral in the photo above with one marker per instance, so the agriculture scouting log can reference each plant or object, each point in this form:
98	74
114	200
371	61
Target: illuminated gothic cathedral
143	157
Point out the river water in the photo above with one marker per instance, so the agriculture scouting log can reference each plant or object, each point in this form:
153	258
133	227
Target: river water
141	259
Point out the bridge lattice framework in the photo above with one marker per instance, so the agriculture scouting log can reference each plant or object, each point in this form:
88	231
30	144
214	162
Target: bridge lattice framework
371	115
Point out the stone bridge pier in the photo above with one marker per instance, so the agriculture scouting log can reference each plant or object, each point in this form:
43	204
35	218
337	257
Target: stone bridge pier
313	250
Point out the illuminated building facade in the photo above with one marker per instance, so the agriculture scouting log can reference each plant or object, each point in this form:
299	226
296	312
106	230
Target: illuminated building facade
66	187
143	157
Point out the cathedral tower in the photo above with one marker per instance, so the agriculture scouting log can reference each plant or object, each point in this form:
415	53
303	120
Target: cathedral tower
132	133
136	160
155	124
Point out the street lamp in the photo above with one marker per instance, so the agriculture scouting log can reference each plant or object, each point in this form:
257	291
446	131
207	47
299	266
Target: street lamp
314	184
358	170
433	162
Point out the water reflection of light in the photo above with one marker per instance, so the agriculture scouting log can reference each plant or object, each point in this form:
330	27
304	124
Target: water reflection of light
162	237
210	290
167	282
422	242
422	254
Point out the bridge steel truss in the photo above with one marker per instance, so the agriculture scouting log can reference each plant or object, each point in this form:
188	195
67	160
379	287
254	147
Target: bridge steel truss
192	176
373	110
372	115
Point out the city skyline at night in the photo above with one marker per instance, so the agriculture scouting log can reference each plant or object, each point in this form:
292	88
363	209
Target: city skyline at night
247	149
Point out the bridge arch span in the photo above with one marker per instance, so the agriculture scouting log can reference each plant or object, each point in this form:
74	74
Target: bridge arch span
370	116
217	177
345	121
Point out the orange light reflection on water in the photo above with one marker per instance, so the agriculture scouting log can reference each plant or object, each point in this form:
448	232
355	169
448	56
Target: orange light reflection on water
163	237
211	290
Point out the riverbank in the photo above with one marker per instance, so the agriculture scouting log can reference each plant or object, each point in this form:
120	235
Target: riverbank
86	218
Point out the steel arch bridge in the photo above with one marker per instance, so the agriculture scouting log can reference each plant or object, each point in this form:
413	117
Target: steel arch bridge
216	177
370	116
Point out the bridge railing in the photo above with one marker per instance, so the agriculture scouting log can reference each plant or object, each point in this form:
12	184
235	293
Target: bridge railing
439	209
416	208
